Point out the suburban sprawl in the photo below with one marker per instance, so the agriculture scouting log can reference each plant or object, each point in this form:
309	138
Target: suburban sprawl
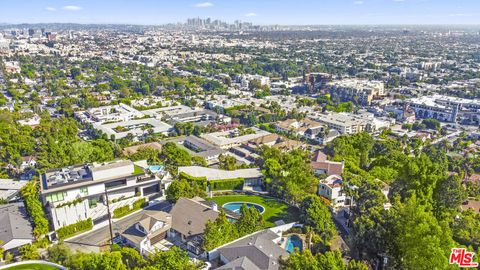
228	145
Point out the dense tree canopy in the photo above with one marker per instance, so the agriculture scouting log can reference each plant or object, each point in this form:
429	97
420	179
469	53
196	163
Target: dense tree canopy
288	175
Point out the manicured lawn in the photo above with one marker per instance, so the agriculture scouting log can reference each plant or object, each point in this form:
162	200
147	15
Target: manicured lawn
274	209
32	266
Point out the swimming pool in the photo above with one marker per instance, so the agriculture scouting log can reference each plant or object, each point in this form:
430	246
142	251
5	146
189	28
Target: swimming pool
293	242
235	206
155	168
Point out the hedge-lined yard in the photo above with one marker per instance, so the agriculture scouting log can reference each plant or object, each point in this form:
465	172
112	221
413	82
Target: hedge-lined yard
76	228
274	209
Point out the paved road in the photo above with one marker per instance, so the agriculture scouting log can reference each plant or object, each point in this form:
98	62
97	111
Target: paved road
101	236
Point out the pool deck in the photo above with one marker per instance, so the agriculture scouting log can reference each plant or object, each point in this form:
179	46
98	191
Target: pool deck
284	240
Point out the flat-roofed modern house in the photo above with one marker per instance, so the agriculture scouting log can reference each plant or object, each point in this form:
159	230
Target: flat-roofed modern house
80	192
252	177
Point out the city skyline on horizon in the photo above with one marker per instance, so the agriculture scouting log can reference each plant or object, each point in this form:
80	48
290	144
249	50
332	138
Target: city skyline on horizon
266	12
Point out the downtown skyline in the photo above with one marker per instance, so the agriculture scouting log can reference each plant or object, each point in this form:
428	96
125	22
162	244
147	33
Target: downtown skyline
265	12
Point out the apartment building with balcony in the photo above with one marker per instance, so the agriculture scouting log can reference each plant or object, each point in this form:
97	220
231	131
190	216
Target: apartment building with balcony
80	192
356	90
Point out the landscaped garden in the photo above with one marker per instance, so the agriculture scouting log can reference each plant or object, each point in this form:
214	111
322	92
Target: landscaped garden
274	209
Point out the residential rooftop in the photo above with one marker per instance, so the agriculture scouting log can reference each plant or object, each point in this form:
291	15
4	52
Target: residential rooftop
217	174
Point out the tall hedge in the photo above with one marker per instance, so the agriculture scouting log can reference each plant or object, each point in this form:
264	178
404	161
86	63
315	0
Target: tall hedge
31	195
72	229
227	184
200	181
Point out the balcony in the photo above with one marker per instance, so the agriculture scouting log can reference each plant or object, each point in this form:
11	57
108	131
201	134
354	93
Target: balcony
145	179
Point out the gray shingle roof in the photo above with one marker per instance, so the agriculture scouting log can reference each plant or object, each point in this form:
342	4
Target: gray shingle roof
14	223
189	217
242	263
259	248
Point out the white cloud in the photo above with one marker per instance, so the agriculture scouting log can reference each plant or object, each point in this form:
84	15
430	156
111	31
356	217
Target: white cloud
398	0
358	2
50	9
72	8
251	14
204	5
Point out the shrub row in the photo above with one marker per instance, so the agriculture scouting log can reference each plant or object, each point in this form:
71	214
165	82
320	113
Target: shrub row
227	184
200	181
125	210
31	195
72	229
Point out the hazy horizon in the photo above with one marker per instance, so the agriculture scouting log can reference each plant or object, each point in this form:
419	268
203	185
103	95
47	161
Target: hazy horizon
265	12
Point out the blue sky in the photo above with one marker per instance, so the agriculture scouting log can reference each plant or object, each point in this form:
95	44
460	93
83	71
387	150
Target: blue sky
256	11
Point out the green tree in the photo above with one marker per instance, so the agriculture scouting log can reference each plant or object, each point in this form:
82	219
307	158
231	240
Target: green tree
330	260
132	259
465	229
173	259
183	188
219	232
227	162
29	252
60	254
415	230
250	220
431	123
174	156
448	195
315	213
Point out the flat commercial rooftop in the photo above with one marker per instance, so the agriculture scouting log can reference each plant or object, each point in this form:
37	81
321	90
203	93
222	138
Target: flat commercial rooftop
134	127
225	138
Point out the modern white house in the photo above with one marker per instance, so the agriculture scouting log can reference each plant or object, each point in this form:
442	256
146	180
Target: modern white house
252	177
76	193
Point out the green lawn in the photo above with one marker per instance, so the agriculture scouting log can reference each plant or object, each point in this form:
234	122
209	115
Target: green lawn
32	266
274	209
137	170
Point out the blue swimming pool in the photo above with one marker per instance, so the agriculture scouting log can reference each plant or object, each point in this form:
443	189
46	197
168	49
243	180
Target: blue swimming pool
235	206
293	242
155	168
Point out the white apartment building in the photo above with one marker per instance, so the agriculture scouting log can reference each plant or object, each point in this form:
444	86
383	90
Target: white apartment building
77	193
357	90
349	123
114	113
445	108
344	123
